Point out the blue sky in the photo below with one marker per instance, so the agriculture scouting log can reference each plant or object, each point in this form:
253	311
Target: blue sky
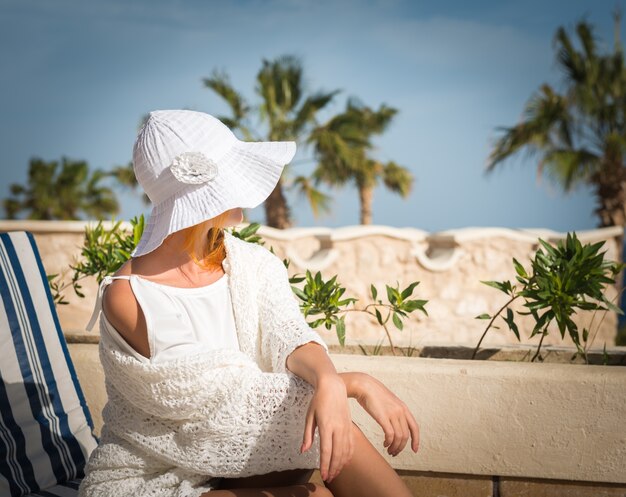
77	76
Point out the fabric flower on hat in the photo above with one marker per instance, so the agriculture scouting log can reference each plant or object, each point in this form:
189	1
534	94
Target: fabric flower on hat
193	167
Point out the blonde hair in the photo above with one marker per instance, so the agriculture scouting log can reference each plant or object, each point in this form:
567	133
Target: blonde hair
206	248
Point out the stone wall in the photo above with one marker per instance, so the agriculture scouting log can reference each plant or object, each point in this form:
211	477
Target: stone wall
488	428
449	266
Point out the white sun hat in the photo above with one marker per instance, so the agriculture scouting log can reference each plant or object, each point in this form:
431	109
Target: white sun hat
193	167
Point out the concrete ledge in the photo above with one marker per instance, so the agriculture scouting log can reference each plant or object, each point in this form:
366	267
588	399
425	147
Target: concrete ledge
480	418
559	421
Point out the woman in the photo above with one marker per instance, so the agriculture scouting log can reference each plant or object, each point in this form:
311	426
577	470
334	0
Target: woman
217	386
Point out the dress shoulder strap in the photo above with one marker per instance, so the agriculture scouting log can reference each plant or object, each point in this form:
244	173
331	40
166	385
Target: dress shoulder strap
98	305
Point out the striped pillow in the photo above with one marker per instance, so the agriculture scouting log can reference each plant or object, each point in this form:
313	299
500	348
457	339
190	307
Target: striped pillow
45	426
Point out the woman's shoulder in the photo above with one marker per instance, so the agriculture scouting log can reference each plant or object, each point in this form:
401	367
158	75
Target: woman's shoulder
122	311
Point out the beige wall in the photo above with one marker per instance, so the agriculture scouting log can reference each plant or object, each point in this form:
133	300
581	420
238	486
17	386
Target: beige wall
449	266
481	418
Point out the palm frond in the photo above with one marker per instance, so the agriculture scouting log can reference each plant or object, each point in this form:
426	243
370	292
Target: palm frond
397	178
318	200
220	83
307	112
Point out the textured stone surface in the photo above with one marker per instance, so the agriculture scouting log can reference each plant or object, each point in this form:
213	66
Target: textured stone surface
449	266
481	418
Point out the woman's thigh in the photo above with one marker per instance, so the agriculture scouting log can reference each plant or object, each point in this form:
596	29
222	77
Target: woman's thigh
273	479
304	490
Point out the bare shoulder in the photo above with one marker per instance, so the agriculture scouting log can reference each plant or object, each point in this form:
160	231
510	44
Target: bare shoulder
124	313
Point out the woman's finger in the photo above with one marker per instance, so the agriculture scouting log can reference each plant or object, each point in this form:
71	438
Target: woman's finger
347	443
336	457
405	434
397	436
415	431
326	450
309	432
352	443
388	431
349	447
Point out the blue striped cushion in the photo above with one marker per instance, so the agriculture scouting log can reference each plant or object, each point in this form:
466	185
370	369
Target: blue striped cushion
67	489
45	427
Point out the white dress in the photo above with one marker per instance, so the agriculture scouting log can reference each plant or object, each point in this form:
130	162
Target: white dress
179	320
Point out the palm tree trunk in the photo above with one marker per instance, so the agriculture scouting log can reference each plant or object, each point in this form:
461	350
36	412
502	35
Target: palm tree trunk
365	200
277	213
610	185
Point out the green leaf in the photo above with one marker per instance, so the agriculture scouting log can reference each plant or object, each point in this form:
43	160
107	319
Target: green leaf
502	286
409	290
397	321
340	327
374	291
483	316
391	294
519	268
300	293
549	248
379	316
511	322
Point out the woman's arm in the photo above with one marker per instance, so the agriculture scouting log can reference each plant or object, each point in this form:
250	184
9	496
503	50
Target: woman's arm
328	410
394	417
313	362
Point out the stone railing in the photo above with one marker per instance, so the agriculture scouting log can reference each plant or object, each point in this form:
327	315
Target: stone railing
448	264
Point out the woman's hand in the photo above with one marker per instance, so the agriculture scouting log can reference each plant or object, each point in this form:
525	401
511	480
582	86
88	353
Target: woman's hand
330	412
388	411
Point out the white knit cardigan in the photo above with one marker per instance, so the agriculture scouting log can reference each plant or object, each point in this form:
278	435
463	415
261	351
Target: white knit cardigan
173	428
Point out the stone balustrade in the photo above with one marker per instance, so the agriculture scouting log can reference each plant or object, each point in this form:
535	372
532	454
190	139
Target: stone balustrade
449	266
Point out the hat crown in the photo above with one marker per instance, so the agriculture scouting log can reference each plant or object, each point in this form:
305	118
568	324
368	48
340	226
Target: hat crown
164	136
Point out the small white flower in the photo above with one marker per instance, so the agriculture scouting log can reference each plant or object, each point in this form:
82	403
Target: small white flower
193	167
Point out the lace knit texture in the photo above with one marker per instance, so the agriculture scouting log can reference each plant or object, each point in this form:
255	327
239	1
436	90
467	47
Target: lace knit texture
172	429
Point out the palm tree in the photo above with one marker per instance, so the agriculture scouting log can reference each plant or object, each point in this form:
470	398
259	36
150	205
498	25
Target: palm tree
65	195
342	146
579	133
288	114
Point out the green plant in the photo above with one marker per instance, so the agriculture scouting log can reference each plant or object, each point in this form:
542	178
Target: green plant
561	280
105	251
323	299
248	233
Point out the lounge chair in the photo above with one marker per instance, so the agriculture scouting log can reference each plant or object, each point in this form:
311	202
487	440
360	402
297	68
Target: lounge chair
46	431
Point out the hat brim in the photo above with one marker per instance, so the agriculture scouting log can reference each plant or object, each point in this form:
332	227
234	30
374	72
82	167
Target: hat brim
247	174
